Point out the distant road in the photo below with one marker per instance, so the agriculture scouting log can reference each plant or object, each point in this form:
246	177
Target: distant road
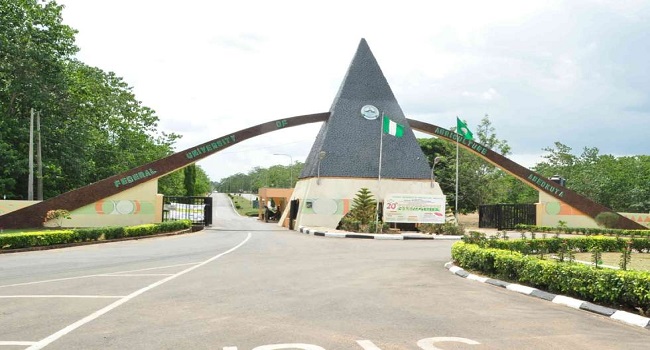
245	284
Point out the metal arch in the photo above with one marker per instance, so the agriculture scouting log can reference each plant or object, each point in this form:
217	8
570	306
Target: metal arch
527	176
32	216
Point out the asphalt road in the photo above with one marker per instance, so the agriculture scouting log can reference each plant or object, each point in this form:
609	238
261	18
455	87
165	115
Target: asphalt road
244	285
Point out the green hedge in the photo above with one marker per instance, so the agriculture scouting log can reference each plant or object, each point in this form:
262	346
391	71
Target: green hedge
614	288
67	236
582	230
553	245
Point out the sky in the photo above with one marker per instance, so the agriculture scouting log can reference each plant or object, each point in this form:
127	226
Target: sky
543	71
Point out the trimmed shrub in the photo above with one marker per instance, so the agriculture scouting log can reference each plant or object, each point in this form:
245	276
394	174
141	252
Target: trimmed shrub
630	289
89	234
140	230
44	238
583	230
32	239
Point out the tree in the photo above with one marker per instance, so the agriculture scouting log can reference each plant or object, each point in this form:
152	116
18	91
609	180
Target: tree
172	184
364	207
479	181
189	180
34	48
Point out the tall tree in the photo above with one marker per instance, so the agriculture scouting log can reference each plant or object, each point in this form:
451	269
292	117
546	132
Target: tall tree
34	46
190	180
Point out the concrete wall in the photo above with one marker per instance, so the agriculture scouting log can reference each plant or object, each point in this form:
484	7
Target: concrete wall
324	204
7	206
550	211
138	205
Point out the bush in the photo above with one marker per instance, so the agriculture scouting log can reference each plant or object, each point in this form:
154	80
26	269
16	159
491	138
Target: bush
89	234
32	239
607	219
630	289
58	216
140	230
350	224
583	230
383	227
45	238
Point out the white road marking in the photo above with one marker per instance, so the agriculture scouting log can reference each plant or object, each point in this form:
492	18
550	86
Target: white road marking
112	274
48	340
289	347
63	296
427	343
17	343
135	274
367	345
230	348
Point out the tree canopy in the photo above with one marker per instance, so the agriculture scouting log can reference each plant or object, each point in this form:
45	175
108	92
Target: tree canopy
92	125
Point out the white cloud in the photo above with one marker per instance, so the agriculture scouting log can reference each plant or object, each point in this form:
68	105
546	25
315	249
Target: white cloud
544	71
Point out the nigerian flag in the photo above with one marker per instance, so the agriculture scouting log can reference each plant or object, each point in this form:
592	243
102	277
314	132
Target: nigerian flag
463	130
390	127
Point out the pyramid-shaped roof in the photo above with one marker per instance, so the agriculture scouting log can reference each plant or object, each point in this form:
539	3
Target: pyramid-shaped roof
351	142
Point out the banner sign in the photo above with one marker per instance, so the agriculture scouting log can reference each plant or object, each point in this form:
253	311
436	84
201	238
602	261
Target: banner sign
414	208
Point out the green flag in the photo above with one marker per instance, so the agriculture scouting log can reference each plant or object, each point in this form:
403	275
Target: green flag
390	127
463	130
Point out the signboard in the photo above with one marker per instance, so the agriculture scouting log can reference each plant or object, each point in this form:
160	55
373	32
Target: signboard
415	208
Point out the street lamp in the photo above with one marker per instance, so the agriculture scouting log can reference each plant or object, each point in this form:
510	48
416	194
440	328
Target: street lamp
290	167
321	155
436	160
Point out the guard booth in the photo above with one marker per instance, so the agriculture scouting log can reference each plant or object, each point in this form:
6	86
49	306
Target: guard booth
196	209
274	205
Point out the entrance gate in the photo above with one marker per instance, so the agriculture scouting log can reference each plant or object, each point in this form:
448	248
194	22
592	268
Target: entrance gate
506	216
196	209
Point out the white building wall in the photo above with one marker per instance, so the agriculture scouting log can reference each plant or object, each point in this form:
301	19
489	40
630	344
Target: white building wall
324	204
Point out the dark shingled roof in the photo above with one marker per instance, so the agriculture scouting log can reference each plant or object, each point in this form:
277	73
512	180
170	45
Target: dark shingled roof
351	142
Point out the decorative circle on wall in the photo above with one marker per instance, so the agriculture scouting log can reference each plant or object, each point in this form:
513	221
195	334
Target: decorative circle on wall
125	207
553	208
119	207
104	207
325	206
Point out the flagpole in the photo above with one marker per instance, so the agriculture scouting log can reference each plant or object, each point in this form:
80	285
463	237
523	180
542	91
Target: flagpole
456	197
381	151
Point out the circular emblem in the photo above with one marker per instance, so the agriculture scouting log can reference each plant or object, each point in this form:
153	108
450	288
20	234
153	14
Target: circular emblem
369	112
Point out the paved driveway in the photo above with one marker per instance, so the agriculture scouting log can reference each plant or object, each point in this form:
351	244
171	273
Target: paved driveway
243	284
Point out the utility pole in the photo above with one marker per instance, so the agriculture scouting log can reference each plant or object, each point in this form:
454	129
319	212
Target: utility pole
30	179
39	159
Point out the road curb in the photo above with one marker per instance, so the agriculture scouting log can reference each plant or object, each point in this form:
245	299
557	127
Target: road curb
379	236
623	316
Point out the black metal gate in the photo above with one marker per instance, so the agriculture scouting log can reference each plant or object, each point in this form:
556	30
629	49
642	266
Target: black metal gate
196	209
506	216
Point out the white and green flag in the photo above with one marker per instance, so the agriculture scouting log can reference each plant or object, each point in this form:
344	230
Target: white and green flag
463	130
392	128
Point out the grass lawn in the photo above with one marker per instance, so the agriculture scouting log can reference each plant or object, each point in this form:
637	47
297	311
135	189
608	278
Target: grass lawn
639	261
243	205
